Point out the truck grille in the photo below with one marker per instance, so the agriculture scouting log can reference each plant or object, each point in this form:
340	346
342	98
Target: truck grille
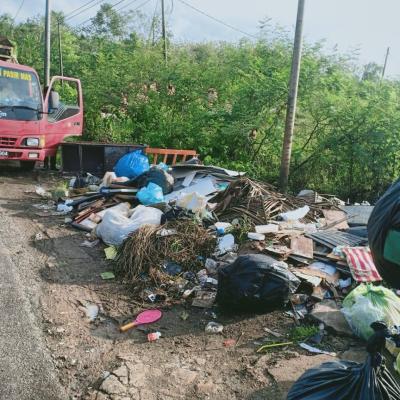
7	141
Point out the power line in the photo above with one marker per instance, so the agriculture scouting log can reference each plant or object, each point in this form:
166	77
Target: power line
86	9
119	9
218	20
87	20
79	8
153	20
19	9
139	6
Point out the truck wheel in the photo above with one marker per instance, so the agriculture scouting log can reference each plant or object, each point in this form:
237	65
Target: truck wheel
27	165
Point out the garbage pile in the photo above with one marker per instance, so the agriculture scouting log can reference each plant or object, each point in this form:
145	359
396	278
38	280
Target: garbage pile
209	237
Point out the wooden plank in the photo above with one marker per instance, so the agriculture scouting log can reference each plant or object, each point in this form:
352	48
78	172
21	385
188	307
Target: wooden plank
302	246
333	216
154	150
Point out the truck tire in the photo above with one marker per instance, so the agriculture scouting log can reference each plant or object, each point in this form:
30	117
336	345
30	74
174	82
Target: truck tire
27	165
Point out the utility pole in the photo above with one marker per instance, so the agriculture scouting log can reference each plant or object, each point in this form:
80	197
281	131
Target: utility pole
47	45
385	64
60	57
163	31
292	99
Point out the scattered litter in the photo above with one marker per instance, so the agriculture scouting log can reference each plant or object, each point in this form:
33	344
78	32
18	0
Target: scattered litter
115	227
269	228
203	188
342	380
273	345
40	191
211	266
144	318
226	244
345	283
256	236
64	208
152	337
229	342
151	194
204	299
184	315
193	202
39	236
92	311
132	164
89	244
326	268
255	282
222	227
302	246
295	214
167	232
107	275
313	280
214	327
172	269
110	252
273	333
313	349
366	304
361	264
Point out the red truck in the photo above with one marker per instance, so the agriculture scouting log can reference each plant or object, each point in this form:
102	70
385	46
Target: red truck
33	121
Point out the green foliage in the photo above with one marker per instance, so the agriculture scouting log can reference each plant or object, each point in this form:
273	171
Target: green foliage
228	101
303	332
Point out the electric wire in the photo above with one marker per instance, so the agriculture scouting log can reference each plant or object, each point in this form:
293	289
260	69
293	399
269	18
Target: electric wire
139	6
153	21
86	9
218	20
119	9
19	9
79	8
89	19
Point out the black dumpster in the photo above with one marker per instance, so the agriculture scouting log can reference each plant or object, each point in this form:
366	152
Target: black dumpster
96	158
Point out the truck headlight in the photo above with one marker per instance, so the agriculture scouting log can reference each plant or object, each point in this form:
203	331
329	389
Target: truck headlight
34	142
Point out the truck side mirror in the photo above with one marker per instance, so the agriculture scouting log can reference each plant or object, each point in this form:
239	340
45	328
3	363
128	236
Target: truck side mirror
54	100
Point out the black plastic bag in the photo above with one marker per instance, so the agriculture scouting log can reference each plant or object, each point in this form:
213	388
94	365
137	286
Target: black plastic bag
158	176
255	283
347	380
384	217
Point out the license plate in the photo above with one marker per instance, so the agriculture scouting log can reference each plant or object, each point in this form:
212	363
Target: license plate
3	153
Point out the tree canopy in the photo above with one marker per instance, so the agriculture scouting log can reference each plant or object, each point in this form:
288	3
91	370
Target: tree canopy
228	100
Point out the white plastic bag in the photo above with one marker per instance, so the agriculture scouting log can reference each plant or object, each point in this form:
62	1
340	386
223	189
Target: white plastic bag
368	303
115	227
193	202
295	215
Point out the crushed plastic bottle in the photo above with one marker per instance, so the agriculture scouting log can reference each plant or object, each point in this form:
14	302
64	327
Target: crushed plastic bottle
214	327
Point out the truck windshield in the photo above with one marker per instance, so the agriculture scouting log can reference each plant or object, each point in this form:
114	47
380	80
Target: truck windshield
20	97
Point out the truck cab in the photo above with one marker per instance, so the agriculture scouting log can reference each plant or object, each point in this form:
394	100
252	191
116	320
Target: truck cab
34	122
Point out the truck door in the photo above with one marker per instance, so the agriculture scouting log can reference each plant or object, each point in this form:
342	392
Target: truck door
63	107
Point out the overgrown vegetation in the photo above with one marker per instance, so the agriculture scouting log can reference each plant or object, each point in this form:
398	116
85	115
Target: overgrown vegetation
228	101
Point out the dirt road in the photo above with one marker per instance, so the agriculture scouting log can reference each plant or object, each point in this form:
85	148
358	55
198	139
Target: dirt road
93	360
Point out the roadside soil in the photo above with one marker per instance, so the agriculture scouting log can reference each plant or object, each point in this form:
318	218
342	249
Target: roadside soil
95	361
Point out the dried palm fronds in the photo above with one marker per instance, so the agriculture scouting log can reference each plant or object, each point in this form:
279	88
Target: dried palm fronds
261	202
146	251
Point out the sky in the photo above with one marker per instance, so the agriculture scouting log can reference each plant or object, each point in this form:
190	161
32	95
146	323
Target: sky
370	26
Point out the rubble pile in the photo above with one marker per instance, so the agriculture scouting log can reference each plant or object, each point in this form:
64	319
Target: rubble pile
210	237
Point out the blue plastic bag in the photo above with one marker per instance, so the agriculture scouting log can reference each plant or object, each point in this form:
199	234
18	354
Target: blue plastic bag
132	164
150	194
